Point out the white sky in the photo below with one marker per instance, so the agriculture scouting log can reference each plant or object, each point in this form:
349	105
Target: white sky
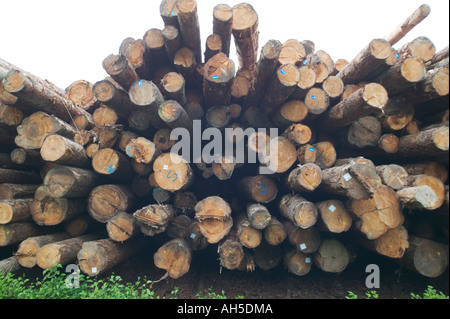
65	41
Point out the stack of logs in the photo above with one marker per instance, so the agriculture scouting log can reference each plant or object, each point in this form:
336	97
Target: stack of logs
362	153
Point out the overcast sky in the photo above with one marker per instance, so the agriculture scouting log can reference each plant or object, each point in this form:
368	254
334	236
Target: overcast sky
65	41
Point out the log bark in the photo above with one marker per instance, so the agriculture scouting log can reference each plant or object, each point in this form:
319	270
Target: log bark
172	40
365	131
172	172
223	169
258	215
27	251
174	257
189	26
334	216
18	177
118	67
174	87
17	191
96	257
174	115
114	97
106	201
332	256
398	112
222	25
247	235
298	210
213	46
169	12
418	197
367	60
431	168
230	252
436	185
112	163
426	143
36	127
219	73
14	210
185	64
426	257
9	265
371	99
245	34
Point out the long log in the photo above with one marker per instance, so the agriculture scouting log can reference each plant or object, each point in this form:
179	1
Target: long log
16	191
172	40
246	35
118	67
189	26
14	233
371	99
298	210
18	177
96	257
174	115
219	73
50	211
61	150
28	249
14	210
222	25
114	97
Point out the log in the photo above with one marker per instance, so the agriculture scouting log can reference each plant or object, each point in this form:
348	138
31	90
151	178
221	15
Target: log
27	251
317	101
174	257
393	243
10	115
402	75
172	172
142	150
81	225
356	180
9	265
266	256
333	86
245	34
169	12
230	252
33	130
260	188
418	197
247	235
420	47
16	191
320	68
105	201
298	134
433	141
306	154
61	150
435	183
293	111
306	82
118	67
292	51
425	257
179	227
410	22
325	154
332	256
280	155
393	175
274	233
70	182
218	116
297	263
223	169
365	62
134	52
14	233
306	241
108	136
301	212
213	46
18	177
263	71
80	92
112	163
194	110
213	215
218	75
185	64
376	215
433	86
185	202
280	87
174	87
258	215
162	140
154	219
14	210
305	178
114	97
222	25
50	211
334	216
148	97
431	168
371	99
398	112
174	115
189	26
96	257
365	131
172	40
43	96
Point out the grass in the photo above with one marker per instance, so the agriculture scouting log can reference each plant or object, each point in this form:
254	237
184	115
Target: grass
57	284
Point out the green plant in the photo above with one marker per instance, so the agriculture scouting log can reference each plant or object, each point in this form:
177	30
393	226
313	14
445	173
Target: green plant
351	295
372	294
430	293
212	295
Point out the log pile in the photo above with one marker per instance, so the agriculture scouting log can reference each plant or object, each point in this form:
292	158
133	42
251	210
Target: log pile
360	154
